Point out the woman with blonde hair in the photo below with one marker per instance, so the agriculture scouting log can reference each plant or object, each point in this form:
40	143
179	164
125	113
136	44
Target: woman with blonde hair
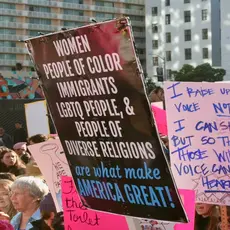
6	207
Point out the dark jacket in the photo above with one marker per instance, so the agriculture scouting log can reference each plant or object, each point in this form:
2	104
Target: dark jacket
20	135
7	140
16	171
40	225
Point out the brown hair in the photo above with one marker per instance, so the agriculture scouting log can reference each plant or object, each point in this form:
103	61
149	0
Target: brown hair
6	184
38	138
213	215
19	163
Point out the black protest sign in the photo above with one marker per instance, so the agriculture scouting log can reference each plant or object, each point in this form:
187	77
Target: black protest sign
95	92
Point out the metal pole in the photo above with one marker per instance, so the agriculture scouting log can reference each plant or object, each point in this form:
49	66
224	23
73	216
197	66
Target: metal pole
165	71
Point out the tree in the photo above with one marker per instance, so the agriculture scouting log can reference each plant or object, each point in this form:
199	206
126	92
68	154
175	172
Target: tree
18	66
149	84
203	72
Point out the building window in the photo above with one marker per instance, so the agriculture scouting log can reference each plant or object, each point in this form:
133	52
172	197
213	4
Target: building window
155	44
104	15
168	55
204	34
204	15
73	12
7	6
167	2
7	31
7	44
72	24
8	56
154	11
74	1
186	1
169	74
167	19
168	37
187	16
39	9
7	18
188	54
140	51
154	29
187	35
41	21
136	18
205	53
155	61
103	3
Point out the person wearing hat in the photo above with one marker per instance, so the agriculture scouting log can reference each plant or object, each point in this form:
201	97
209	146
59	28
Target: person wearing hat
20	148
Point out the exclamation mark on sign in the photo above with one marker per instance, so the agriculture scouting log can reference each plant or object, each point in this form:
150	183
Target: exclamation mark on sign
169	196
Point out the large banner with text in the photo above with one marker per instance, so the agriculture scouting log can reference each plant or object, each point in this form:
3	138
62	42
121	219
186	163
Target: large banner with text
93	85
198	122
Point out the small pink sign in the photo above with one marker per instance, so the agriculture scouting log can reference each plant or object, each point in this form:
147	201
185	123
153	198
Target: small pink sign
76	216
188	199
160	117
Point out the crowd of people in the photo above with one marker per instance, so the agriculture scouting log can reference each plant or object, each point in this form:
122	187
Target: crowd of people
25	200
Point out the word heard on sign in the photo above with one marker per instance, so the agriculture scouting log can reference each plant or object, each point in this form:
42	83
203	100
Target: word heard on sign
91	81
199	128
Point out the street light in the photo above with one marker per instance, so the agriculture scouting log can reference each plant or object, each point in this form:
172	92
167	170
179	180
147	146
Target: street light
164	64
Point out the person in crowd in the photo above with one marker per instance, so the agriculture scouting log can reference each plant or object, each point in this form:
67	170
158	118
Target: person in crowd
26	196
32	169
19	133
7	176
20	148
58	221
5	225
37	139
12	163
6	207
207	217
156	95
48	211
5	139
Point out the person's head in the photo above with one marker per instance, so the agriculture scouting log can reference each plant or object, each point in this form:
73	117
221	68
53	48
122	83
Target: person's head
5	202
48	209
37	139
5	225
27	193
203	209
7	176
20	148
18	125
32	169
156	95
10	158
2	131
209	211
3	148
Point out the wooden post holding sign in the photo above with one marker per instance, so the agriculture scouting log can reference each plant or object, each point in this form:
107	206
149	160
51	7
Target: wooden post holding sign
224	218
93	84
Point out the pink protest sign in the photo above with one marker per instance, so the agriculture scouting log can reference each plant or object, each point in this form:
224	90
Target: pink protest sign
188	199
160	117
76	216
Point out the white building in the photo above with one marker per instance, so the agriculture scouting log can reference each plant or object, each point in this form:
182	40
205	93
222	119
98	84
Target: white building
182	32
